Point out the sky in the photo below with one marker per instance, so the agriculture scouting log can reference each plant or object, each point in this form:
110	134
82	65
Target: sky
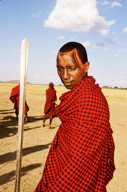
100	25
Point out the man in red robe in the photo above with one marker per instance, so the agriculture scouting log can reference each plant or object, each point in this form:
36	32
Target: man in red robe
49	108
81	157
14	97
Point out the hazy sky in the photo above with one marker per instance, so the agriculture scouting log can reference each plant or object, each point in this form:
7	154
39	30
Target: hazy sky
48	24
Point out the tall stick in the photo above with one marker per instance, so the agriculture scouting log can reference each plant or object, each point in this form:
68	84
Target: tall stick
23	76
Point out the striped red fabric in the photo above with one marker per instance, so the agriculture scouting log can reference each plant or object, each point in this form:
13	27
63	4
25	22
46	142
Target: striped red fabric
81	157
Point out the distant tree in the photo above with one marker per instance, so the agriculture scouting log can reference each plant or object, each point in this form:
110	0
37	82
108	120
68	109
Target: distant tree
105	87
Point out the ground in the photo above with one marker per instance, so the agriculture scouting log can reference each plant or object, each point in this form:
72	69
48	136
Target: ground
37	139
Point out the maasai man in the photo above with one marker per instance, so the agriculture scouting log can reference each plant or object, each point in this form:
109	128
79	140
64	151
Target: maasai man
49	108
81	157
14	97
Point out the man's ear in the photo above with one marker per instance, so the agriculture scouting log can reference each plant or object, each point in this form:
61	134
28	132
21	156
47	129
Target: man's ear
86	67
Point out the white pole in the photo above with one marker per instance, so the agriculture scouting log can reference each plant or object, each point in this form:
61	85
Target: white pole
23	77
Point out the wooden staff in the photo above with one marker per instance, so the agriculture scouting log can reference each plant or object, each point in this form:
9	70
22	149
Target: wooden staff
23	77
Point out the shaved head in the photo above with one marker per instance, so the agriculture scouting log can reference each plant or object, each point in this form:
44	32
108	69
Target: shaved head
80	50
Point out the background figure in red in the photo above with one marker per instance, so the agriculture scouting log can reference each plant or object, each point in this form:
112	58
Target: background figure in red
15	99
49	108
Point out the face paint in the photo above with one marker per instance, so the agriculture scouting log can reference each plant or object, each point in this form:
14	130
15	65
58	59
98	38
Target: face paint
63	57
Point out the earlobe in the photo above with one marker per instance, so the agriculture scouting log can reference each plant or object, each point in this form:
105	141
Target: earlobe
86	66
58	72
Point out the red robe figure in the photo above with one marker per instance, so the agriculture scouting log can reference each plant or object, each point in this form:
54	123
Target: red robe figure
81	157
49	108
14	97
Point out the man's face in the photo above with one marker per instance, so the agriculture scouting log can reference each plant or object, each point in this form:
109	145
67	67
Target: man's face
70	72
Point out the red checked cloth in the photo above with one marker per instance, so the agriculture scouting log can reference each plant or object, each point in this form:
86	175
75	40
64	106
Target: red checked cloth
81	157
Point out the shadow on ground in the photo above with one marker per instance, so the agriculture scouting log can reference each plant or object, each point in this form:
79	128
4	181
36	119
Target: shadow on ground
9	124
11	176
8	111
11	156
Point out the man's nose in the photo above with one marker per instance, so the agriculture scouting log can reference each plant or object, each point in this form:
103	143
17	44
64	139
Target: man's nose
66	74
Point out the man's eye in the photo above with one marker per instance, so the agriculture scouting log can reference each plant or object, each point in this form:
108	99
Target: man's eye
72	68
59	68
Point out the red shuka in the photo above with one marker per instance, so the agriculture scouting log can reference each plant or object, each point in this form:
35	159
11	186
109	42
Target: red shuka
81	157
49	108
15	99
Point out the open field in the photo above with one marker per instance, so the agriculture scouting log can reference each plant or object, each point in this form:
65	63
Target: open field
37	139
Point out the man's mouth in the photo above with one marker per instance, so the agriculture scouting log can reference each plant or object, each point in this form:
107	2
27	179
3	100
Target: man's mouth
67	83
